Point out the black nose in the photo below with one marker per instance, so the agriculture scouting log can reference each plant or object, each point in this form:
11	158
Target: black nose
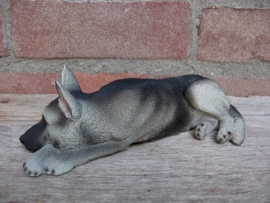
21	140
31	143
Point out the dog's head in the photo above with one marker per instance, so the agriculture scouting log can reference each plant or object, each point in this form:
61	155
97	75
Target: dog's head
60	122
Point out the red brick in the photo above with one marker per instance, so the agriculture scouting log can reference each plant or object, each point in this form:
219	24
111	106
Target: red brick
60	29
234	35
245	87
27	83
44	83
3	48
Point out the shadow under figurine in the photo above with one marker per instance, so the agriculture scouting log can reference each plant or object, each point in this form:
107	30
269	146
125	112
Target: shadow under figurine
77	127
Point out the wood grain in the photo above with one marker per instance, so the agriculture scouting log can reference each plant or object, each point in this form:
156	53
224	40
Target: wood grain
174	169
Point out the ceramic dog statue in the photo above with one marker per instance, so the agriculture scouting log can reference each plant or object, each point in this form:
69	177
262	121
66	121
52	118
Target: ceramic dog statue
77	127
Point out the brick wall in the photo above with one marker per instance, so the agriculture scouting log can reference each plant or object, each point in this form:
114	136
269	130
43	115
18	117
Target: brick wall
104	41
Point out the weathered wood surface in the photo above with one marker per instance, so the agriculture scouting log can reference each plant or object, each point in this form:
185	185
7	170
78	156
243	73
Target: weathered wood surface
174	169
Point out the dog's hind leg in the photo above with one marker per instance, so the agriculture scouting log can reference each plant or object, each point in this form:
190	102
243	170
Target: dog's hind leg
205	95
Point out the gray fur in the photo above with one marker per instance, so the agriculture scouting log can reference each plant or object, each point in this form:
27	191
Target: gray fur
77	127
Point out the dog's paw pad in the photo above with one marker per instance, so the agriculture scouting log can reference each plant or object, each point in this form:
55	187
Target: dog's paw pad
66	168
60	168
200	131
199	136
205	127
224	135
31	173
49	171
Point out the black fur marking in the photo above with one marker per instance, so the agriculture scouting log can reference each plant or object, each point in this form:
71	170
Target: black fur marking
179	85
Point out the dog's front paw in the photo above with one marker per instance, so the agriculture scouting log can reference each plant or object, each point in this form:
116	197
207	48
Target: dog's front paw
36	164
52	166
58	167
48	160
33	166
60	163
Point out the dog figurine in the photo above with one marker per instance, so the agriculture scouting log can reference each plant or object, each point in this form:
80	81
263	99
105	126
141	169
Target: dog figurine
77	127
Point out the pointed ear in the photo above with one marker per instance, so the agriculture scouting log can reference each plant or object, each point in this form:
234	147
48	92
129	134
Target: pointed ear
67	103
69	81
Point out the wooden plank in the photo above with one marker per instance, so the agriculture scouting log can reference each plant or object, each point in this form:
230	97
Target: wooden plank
174	169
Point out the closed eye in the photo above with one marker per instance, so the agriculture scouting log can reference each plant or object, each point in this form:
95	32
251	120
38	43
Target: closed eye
56	144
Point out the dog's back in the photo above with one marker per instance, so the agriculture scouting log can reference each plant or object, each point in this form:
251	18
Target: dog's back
147	107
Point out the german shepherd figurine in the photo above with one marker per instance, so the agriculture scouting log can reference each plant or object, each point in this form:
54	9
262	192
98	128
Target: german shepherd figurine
77	127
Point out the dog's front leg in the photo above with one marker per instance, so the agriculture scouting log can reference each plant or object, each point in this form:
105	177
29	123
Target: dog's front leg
50	160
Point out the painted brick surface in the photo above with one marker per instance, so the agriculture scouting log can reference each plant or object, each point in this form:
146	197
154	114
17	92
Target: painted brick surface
27	83
245	87
59	29
44	83
234	35
3	48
